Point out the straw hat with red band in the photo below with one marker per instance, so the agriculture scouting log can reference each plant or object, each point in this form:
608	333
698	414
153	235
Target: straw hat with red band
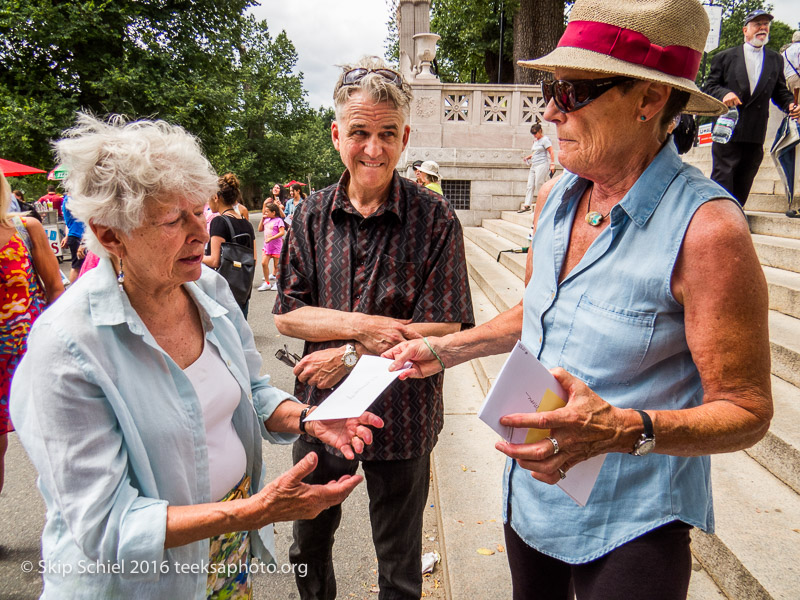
653	40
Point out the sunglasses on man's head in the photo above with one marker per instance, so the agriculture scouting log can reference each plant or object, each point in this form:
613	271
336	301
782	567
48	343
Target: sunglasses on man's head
287	357
353	76
569	96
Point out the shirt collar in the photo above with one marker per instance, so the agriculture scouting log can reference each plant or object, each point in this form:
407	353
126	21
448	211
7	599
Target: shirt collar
110	306
752	49
642	199
392	205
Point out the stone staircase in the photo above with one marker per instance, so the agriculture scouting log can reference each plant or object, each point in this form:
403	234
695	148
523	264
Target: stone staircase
755	552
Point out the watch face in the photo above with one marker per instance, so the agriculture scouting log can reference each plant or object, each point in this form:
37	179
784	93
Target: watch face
644	446
350	359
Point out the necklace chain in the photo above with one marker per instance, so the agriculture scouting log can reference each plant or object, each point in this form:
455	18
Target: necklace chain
593	217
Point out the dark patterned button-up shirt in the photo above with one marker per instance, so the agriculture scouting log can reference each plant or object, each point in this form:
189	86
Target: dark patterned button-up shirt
405	261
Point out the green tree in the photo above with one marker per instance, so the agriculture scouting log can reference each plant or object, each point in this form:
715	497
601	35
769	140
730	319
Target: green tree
258	141
204	64
319	159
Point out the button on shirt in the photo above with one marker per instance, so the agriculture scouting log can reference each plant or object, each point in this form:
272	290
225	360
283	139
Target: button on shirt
753	60
116	432
405	261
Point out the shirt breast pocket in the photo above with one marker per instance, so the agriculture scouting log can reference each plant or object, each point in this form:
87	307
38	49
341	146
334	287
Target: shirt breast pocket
606	344
397	284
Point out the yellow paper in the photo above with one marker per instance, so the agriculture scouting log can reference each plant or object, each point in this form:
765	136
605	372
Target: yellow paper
550	401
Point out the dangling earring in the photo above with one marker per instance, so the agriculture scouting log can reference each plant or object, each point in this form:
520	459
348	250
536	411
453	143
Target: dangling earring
643	118
121	276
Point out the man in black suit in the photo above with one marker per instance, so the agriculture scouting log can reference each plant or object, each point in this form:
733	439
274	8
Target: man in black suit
747	77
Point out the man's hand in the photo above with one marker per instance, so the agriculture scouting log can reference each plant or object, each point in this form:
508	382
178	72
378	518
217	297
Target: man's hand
794	111
287	498
731	99
377	334
585	427
348	436
323	368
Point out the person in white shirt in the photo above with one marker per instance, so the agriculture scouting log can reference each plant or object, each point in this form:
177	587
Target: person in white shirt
791	62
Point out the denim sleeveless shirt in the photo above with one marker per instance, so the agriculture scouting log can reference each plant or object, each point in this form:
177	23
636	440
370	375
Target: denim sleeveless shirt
614	323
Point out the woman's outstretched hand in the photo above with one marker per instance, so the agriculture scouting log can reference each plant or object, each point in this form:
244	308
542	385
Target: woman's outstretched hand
348	436
287	498
416	352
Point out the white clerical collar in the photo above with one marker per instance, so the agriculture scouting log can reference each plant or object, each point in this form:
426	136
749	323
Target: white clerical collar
753	49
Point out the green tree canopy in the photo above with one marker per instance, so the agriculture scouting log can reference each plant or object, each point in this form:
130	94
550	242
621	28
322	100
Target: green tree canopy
205	65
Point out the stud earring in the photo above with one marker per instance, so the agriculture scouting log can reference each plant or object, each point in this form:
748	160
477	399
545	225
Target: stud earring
643	118
121	276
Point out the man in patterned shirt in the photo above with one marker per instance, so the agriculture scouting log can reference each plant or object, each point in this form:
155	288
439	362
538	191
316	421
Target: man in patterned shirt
371	261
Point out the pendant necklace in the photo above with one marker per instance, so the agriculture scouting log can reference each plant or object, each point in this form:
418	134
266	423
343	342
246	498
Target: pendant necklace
593	217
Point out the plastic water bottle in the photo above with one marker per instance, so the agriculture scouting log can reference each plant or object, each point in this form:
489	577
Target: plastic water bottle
723	128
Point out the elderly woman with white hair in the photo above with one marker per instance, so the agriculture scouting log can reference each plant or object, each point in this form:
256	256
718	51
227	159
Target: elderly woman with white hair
428	176
646	300
146	430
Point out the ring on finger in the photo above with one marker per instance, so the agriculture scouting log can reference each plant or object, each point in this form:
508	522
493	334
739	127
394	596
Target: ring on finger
561	474
555	445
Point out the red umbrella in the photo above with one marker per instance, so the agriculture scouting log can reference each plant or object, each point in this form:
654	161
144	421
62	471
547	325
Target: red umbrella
12	169
293	181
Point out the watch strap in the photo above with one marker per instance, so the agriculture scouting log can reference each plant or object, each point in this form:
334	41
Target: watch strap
648	423
303	415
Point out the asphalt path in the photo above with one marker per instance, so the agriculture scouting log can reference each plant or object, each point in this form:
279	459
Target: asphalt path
22	509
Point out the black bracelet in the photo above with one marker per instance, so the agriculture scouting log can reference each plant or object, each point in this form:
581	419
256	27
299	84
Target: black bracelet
303	414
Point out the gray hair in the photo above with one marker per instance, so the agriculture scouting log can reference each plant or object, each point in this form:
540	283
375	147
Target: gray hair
114	166
796	36
374	86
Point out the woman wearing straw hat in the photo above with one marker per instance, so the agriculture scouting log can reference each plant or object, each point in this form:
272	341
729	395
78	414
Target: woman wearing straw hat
428	176
645	298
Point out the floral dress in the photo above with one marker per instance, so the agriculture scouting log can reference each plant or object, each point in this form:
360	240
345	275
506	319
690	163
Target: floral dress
22	299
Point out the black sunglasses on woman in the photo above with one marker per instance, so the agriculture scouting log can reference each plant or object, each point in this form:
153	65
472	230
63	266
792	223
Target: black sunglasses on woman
570	95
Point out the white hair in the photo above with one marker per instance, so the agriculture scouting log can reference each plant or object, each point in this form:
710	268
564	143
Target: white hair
796	37
114	166
376	87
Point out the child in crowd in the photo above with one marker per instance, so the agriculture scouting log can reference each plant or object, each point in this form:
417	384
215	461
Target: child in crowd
274	230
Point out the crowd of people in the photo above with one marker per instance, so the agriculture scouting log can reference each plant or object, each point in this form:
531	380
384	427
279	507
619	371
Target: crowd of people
643	295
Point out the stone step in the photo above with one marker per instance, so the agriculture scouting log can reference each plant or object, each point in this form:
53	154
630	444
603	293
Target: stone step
496	245
784	291
784	341
501	286
780	253
754	554
779	451
774	224
775	203
516	234
522	219
486	367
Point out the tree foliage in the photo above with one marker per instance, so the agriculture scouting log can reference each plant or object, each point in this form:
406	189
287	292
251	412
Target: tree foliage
204	64
469	48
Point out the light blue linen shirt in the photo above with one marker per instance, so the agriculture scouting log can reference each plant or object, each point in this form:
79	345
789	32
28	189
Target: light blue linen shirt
115	430
614	323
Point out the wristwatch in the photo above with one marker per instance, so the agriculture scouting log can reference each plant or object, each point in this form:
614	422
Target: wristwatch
350	357
646	443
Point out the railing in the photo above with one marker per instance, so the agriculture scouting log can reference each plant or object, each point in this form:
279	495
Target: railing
475	115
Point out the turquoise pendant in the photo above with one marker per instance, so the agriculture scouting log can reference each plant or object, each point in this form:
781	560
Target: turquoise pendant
594	218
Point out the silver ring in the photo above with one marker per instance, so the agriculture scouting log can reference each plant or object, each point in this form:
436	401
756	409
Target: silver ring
562	474
555	445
